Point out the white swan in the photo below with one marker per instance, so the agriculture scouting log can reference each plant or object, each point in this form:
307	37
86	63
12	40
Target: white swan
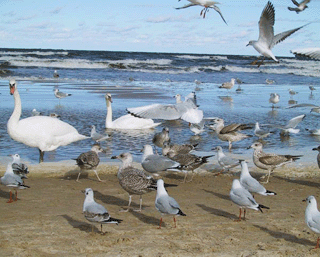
44	132
127	121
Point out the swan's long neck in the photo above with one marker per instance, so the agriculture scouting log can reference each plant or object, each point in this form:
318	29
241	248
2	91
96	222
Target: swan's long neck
15	116
109	114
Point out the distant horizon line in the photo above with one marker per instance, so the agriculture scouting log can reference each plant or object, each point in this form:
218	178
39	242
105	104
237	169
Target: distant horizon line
127	51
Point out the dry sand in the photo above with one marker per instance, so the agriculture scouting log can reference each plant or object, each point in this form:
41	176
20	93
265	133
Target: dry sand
47	219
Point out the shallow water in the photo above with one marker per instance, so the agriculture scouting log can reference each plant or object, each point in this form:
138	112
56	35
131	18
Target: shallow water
87	106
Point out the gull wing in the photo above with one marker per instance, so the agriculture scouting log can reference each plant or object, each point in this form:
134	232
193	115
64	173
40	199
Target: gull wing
234	127
217	9
283	35
295	2
185	6
266	24
302	105
273	159
309	52
157	111
294	121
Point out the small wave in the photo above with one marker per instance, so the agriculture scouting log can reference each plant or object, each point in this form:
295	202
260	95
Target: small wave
193	57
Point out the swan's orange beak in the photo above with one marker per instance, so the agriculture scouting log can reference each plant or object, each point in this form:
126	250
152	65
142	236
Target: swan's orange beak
12	88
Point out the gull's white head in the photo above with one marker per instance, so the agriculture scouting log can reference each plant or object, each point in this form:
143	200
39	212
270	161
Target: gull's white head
256	146
15	158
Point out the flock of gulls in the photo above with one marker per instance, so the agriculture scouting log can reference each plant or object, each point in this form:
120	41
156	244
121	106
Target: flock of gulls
47	133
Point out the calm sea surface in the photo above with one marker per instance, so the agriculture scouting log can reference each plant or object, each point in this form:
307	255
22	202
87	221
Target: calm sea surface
136	79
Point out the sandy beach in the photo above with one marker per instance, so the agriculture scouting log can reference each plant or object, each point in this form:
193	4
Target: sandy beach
47	219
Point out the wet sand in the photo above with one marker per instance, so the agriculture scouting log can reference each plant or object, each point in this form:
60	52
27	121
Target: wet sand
47	219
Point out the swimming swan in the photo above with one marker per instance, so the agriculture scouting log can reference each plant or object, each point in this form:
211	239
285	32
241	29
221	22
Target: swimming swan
44	132
127	121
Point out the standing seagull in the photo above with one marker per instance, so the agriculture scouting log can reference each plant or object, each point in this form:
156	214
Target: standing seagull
90	160
300	6
312	216
250	183
230	133
228	85
224	161
318	156
97	136
95	212
274	99
267	40
261	133
10	179
206	4
60	95
134	181
165	204
19	168
242	197
154	163
270	161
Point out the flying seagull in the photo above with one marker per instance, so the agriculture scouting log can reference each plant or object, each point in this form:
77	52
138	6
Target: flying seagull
206	4
312	52
267	40
300	6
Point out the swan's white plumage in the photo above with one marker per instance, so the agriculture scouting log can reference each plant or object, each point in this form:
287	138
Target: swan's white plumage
43	132
127	121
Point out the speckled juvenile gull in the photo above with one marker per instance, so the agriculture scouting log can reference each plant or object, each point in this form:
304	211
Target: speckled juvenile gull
133	180
95	212
186	110
90	160
228	85
274	99
267	40
270	81
12	180
97	136
189	162
226	162
166	204
312	216
318	156
292	92
176	149
230	133
18	167
270	161
300	6
154	163
161	137
242	197
206	4
261	133
250	183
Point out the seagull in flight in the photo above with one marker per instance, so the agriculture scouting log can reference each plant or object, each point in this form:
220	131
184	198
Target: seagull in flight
206	4
300	7
313	52
267	40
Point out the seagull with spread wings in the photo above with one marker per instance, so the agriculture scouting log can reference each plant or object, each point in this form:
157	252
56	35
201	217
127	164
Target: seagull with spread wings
206	4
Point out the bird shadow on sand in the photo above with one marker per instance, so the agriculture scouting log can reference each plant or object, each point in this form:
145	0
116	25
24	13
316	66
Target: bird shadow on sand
225	197
113	200
4	194
145	218
73	174
83	226
300	182
217	212
286	236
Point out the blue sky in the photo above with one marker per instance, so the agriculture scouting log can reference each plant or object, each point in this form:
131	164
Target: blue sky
150	26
